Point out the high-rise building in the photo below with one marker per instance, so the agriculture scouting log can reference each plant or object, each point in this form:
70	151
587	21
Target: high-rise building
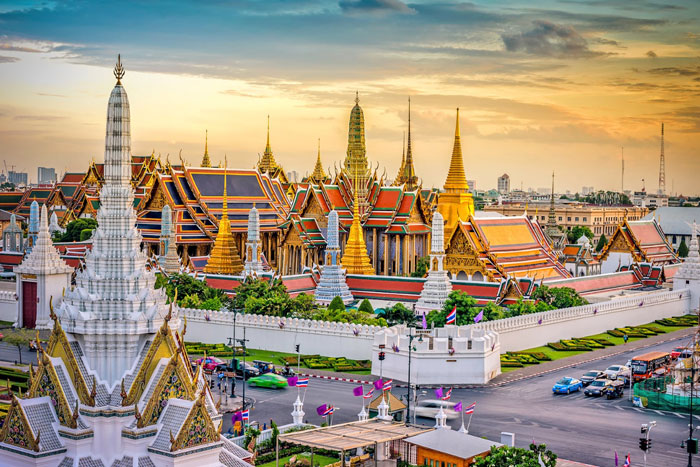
504	184
18	178
46	175
472	186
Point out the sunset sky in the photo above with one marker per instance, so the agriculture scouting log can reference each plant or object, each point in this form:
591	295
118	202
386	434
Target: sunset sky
541	85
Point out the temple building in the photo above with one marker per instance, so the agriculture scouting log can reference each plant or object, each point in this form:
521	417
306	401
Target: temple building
633	242
114	385
495	248
318	175
580	259
267	164
455	203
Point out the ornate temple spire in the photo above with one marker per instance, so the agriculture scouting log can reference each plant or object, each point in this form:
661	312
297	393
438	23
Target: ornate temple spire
224	257
556	236
253	247
206	162
356	166
438	286
119	71
409	172
332	282
318	174
267	162
356	260
456	179
399	176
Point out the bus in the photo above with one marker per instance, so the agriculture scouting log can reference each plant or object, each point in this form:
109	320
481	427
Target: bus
645	366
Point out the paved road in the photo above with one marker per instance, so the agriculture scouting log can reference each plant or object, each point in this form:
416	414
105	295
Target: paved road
575	427
8	353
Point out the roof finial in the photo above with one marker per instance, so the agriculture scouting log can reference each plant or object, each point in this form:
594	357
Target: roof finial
224	209
357	97
268	130
119	70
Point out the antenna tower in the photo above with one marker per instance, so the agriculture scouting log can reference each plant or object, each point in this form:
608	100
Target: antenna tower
662	165
622	176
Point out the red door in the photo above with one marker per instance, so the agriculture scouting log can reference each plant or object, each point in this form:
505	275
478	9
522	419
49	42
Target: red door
28	304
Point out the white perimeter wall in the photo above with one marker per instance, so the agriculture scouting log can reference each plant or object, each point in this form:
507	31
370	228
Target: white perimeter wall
524	332
265	333
8	306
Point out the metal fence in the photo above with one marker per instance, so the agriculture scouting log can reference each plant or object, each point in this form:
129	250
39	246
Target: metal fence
654	390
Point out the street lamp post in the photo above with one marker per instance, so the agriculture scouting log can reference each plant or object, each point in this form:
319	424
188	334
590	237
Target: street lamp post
408	394
242	342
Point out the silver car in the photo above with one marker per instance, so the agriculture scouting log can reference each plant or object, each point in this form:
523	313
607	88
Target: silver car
430	407
615	371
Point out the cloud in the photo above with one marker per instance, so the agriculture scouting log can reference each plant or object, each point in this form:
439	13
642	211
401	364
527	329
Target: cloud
551	40
5	59
651	54
604	41
676	71
374	6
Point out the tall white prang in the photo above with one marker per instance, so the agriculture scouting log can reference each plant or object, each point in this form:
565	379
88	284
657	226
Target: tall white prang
438	286
113	307
332	282
253	247
688	275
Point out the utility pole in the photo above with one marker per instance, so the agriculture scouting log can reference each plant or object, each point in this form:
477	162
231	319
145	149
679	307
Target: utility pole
243	344
408	394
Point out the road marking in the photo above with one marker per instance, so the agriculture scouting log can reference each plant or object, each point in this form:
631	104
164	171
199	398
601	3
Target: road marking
679	415
619	407
637	409
659	412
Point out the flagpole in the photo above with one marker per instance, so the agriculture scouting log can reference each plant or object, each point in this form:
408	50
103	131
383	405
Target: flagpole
470	421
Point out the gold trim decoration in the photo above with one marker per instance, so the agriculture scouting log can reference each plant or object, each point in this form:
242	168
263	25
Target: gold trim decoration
198	428
47	383
23	437
172	384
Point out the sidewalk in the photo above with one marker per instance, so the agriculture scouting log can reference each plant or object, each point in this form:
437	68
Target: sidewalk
548	367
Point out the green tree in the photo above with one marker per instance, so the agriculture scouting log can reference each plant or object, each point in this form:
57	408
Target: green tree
86	234
683	249
559	297
526	307
366	306
577	232
75	228
421	267
336	304
257	288
506	456
602	241
466	310
398	314
19	338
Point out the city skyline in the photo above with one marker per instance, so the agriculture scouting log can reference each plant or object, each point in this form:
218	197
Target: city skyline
554	88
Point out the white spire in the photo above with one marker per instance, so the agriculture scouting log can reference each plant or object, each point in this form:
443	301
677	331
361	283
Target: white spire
332	282
438	286
44	258
253	249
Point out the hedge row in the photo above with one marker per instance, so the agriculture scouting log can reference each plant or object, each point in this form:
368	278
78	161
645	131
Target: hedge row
318	362
636	331
680	321
518	359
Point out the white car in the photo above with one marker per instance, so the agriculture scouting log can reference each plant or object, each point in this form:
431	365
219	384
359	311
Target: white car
614	371
429	408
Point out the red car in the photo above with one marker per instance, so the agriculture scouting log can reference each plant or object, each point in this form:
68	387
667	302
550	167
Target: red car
675	353
210	363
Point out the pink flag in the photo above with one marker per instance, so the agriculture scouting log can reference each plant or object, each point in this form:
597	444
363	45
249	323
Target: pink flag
438	393
458	407
425	322
479	317
292	381
378	385
321	409
358	391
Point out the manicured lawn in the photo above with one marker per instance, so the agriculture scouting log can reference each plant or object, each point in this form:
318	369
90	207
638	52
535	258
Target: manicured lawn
318	460
559	354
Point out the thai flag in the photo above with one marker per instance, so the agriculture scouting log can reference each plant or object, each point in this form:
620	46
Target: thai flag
452	316
470	409
447	395
245	415
387	385
628	461
302	382
328	411
369	394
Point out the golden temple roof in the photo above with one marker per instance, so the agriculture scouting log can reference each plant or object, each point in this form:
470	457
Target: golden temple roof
206	162
318	174
224	257
267	162
356	157
409	173
456	179
355	259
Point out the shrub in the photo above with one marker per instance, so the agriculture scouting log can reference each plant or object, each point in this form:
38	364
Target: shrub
615	333
604	342
543	357
366	306
556	346
337	304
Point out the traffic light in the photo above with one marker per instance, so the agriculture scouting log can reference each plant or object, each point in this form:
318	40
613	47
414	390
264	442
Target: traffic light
692	446
381	356
297	348
644	444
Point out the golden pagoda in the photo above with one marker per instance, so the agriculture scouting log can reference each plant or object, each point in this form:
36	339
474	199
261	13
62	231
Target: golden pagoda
455	202
267	163
409	172
206	162
224	257
355	259
356	166
318	174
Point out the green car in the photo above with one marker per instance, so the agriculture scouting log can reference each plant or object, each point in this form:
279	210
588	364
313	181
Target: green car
268	380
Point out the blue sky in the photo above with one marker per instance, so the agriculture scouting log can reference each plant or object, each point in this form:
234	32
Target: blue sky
540	84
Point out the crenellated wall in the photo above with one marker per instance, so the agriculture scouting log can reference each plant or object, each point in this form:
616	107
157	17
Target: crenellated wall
533	330
282	334
8	306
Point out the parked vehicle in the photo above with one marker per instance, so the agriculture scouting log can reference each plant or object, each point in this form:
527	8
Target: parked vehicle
210	363
615	389
649	364
615	371
567	385
268	380
589	376
681	352
264	367
597	388
430	407
287	371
